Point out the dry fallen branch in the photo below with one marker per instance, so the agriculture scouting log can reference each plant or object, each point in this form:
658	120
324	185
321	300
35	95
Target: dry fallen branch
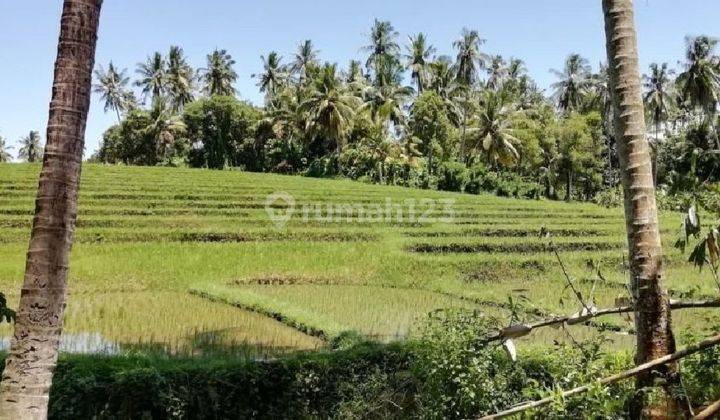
709	412
691	349
521	330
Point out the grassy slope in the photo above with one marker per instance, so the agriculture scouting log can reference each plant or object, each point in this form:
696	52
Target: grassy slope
147	236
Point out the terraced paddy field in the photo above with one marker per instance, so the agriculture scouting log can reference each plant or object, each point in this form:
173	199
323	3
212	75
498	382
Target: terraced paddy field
187	261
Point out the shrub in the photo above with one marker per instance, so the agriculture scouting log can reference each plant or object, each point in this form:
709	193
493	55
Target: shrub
452	176
476	178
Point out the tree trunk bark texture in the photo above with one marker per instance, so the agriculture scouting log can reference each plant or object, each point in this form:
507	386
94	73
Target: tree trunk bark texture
26	380
652	314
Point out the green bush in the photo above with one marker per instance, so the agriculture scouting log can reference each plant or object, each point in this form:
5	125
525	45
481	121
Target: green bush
447	373
452	176
476	178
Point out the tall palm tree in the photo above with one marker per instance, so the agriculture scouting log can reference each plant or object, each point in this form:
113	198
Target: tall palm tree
30	148
385	104
31	360
273	76
330	108
652	312
355	73
494	132
516	69
383	61
112	85
497	72
572	84
657	94
469	58
218	77
180	79
5	155
153	76
700	82
164	128
418	56
657	102
305	58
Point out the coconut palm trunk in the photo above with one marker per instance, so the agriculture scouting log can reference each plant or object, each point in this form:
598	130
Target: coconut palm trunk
652	314
26	380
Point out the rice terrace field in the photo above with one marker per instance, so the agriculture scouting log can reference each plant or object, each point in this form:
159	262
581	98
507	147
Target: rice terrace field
186	261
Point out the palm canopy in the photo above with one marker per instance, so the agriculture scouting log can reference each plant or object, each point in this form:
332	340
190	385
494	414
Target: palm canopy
5	155
443	82
497	72
469	58
330	107
305	58
112	86
385	104
516	69
273	76
153	76
657	96
164	127
180	78
700	82
494	133
418	56
219	76
30	147
384	50
572	84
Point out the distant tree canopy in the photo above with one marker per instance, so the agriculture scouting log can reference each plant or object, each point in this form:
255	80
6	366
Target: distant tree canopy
478	109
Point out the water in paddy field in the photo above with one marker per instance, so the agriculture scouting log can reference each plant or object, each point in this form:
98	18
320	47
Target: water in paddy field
170	323
81	343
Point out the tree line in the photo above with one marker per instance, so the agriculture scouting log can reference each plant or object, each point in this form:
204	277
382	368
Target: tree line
471	122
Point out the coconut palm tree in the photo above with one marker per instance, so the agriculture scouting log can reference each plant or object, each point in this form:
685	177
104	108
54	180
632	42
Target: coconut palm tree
112	85
355	73
657	94
516	69
497	72
700	82
442	81
30	148
218	77
164	128
5	155
180	79
385	105
494	133
330	108
652	313
31	360
273	77
305	58
384	59
153	76
418	56
657	102
469	58
572	84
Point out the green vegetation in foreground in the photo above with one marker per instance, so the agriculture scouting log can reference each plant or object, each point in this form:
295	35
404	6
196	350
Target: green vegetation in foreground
148	237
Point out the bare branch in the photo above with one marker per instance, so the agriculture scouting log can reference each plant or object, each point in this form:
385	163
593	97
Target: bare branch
709	412
521	330
645	367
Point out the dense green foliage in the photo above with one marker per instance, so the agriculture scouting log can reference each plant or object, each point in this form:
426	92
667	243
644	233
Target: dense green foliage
366	123
445	374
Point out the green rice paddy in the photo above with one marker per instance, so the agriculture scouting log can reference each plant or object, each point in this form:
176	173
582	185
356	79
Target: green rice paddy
187	261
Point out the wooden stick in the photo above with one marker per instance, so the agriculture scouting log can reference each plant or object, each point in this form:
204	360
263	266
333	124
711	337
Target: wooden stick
691	349
709	411
520	330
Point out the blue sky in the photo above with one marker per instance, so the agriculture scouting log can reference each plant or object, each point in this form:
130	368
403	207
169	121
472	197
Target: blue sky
541	32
